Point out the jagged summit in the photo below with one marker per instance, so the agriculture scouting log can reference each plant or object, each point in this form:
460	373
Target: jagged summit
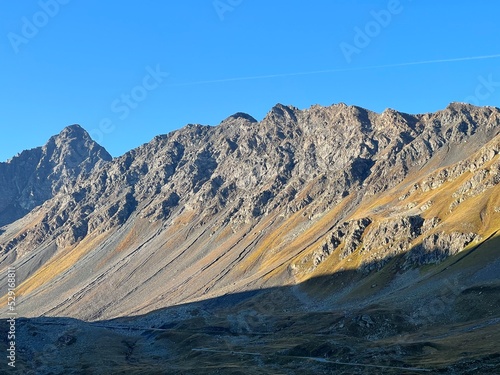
73	132
281	113
241	115
74	141
460	106
34	176
281	108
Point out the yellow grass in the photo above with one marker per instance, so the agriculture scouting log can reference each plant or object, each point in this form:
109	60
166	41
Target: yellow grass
57	265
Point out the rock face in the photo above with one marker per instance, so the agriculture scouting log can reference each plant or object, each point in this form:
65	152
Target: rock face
34	176
205	211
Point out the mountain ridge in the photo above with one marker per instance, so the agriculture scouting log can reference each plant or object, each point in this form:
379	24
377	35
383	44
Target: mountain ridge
214	202
317	240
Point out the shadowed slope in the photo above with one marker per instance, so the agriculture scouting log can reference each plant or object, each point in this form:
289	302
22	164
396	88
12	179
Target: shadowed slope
417	322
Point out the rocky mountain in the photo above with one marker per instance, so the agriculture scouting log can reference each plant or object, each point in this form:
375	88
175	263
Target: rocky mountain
346	208
34	176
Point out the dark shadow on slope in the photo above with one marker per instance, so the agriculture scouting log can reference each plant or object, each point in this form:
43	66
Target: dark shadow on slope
444	318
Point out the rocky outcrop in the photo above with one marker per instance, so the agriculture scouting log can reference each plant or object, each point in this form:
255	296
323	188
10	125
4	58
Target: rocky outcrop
346	237
438	246
388	239
380	241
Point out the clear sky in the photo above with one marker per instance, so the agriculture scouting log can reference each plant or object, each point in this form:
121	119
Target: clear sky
129	70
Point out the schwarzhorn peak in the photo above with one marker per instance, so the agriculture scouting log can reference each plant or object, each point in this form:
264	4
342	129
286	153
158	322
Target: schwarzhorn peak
34	176
72	133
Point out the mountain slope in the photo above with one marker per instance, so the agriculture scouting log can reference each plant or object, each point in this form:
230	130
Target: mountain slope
444	320
206	211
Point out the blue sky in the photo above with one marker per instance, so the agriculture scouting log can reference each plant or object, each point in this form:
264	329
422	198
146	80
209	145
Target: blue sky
127	71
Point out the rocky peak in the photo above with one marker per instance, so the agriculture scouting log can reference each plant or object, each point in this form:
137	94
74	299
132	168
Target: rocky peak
240	115
36	175
72	132
460	107
73	149
280	113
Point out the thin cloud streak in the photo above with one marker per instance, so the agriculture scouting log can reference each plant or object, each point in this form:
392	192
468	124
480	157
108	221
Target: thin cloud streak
339	70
